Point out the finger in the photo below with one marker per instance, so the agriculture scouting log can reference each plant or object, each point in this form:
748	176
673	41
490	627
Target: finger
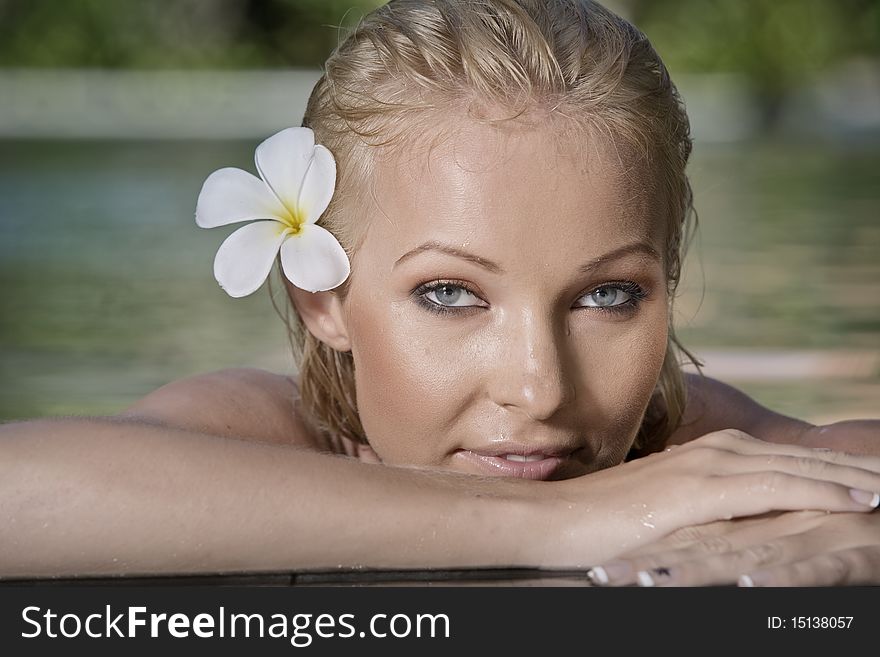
722	559
852	566
725	567
742	443
812	468
722	536
760	492
718	559
742	495
724	462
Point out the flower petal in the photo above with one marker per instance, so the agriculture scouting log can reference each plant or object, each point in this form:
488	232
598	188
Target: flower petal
231	195
313	260
283	160
318	185
245	258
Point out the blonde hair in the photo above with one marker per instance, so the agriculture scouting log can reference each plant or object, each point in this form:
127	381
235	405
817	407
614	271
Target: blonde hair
573	58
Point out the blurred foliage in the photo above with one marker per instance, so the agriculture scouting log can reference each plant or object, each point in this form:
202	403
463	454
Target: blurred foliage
773	41
173	33
777	45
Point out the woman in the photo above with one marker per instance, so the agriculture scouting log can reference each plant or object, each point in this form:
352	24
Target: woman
489	295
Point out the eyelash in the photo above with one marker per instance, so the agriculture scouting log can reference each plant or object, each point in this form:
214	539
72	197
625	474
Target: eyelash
422	290
636	293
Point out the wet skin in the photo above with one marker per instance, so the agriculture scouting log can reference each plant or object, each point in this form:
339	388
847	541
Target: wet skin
507	313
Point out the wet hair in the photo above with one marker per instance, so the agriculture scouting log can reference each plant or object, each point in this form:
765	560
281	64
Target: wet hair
572	59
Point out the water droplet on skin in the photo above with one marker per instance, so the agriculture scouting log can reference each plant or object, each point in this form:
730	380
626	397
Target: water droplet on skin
646	521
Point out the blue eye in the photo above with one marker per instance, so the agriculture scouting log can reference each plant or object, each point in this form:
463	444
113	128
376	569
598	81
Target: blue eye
605	297
441	295
613	297
449	295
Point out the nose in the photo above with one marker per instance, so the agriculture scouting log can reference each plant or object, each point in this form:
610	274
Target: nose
531	374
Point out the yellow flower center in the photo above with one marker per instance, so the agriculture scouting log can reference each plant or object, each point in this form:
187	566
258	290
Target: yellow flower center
294	221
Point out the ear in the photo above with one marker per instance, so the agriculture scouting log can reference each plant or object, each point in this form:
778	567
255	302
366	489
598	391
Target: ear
322	314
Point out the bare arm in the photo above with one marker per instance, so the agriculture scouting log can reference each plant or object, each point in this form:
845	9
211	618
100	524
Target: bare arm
133	496
103	495
713	405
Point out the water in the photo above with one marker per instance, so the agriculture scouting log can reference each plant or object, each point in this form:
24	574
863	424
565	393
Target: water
108	291
788	258
790	248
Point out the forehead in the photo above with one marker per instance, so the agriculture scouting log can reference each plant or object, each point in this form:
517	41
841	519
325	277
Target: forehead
516	189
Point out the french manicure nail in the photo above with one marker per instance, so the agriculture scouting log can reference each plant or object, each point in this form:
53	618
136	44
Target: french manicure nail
611	573
644	578
756	578
865	497
598	576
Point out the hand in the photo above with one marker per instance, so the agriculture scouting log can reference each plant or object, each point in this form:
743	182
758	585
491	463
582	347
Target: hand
723	475
802	548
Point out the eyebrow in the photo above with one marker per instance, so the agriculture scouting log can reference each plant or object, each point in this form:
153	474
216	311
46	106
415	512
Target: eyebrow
636	248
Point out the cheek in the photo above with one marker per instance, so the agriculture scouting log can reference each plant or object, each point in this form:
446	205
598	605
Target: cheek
409	386
649	351
645	350
621	365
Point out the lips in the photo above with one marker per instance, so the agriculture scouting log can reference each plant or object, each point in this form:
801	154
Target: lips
507	462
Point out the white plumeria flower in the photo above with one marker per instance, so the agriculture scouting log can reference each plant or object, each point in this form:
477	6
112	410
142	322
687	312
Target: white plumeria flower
298	180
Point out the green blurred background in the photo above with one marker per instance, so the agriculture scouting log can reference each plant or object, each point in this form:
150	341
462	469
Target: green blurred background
113	112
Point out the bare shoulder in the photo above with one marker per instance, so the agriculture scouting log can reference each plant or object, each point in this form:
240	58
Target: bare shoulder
713	405
250	404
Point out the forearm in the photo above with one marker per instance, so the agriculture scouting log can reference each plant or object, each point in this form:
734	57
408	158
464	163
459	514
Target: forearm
107	496
853	436
103	496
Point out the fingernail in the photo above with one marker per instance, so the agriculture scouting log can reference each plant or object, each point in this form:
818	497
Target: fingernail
755	579
655	577
610	573
598	576
865	497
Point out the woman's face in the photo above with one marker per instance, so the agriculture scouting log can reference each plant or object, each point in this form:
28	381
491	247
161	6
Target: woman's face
507	309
